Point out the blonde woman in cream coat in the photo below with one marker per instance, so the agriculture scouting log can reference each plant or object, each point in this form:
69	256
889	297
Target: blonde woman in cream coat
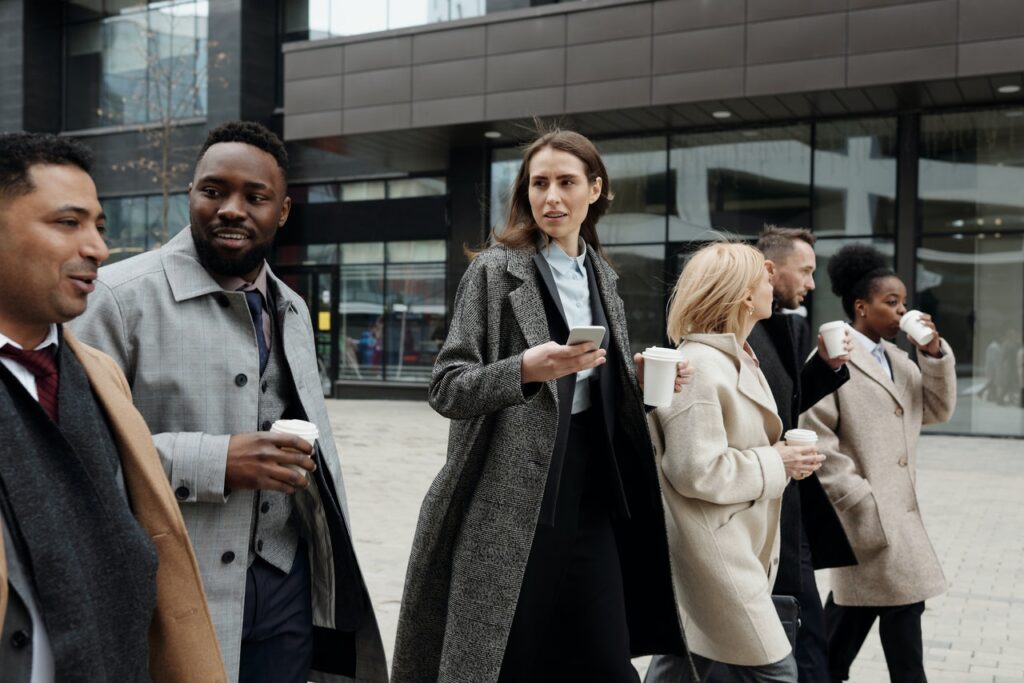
723	469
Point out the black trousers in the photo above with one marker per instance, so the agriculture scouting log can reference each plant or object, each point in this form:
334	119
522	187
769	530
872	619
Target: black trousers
899	628
277	628
570	620
811	643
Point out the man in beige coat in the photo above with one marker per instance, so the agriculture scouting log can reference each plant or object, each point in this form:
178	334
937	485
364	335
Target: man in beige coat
98	581
868	430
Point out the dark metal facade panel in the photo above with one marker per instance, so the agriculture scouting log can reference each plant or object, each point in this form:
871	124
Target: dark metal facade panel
383	53
526	34
385	117
919	24
456	78
808	75
316	125
612	23
524	103
448	111
988	19
628	92
900	66
608	61
371	88
703	50
688	15
695	86
991	57
446	45
313	94
789	40
327	61
758	10
526	70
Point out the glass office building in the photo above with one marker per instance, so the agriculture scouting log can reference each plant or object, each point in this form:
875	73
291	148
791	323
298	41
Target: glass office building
898	123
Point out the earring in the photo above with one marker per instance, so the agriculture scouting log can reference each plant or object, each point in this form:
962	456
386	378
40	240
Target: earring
863	314
750	311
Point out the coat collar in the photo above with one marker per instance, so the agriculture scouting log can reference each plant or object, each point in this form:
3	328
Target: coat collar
187	277
746	383
866	363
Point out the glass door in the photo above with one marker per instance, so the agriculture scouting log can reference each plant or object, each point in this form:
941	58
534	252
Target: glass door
318	287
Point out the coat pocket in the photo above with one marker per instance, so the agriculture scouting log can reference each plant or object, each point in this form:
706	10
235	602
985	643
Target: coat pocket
864	525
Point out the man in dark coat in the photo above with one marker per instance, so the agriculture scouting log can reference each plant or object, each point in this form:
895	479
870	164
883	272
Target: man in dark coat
812	537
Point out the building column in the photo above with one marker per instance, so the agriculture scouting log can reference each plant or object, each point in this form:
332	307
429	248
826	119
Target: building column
908	215
467	211
242	54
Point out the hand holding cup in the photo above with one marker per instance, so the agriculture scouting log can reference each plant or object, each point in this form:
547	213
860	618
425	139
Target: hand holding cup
799	453
684	373
921	332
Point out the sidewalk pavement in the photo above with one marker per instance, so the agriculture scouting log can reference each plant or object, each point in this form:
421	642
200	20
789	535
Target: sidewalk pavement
971	493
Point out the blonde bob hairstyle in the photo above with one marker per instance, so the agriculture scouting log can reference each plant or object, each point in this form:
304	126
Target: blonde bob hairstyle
709	296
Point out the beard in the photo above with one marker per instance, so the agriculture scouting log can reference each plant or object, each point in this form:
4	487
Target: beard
235	265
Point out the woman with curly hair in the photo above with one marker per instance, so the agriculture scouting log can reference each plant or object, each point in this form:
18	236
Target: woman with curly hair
868	430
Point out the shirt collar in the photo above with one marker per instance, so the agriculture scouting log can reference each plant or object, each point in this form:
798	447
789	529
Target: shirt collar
562	262
51	340
864	340
233	283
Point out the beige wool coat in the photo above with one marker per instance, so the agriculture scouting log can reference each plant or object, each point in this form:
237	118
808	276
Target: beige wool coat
868	430
722	484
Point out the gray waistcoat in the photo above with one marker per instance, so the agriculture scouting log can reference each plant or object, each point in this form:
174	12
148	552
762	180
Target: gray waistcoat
274	533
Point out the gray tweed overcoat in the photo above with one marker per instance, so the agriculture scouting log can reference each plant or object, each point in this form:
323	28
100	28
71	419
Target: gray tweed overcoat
477	521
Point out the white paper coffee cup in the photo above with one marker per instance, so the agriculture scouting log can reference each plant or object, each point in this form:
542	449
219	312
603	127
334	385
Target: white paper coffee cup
834	333
660	375
800	437
304	430
918	331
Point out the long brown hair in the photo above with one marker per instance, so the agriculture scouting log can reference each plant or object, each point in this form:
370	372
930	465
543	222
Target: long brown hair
520	230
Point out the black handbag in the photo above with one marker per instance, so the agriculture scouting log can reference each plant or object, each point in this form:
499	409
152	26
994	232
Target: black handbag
789	614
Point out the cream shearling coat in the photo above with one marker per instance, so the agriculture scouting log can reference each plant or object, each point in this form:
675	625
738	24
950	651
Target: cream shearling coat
722	483
868	430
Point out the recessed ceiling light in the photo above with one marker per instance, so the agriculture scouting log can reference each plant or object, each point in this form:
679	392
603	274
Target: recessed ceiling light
1008	89
721	114
492	134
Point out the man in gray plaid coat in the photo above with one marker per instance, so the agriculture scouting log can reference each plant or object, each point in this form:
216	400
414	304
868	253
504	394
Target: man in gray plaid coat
216	349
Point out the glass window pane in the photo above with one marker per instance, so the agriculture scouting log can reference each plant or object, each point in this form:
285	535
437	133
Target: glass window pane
637	173
415	327
855	178
971	171
825	306
123	94
418	251
84	74
504	166
364	252
417	187
323	194
356	192
126	226
642	288
973	286
738	180
361	321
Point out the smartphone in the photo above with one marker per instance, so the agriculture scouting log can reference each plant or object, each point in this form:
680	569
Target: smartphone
588	333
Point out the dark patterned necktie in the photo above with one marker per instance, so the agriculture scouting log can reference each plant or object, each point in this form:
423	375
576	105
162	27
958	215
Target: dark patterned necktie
43	365
255	301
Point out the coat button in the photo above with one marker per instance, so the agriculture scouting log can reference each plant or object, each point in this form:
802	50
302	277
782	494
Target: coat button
259	546
265	426
241	380
902	462
775	560
899	411
265	508
222	299
228	557
20	639
181	493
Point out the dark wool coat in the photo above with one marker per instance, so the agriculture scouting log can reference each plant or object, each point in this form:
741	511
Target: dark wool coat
478	519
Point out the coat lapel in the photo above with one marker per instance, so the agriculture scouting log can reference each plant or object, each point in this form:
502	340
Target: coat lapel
898	361
548	279
526	301
867	364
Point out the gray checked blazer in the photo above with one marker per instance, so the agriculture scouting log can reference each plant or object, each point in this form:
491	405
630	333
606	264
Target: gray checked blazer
189	352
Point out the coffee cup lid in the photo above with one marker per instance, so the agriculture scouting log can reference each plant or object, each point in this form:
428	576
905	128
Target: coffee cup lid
831	325
306	430
662	353
801	435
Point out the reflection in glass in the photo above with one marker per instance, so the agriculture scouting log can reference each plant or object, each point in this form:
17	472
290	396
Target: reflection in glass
973	285
637	170
361	309
135	224
362	191
642	288
855	177
972	171
316	19
825	306
417	187
738	180
504	166
416	308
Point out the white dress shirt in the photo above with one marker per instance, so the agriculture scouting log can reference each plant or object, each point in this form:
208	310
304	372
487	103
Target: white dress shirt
874	348
42	654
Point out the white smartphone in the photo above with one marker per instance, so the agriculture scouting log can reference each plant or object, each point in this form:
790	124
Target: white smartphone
586	333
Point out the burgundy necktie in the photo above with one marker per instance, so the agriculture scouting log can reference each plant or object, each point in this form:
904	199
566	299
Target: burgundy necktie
43	365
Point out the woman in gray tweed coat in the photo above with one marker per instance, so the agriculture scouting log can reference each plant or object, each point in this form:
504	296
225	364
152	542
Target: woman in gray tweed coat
541	550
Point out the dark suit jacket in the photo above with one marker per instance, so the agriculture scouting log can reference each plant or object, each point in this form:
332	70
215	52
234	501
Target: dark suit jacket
796	387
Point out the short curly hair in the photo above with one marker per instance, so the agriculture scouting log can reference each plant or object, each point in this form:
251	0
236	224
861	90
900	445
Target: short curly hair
249	133
20	151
